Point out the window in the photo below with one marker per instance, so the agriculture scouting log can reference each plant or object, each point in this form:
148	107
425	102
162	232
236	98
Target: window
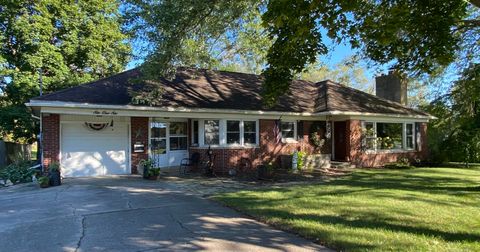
288	130
233	132
389	136
178	136
370	135
249	132
195	133
158	138
212	132
409	142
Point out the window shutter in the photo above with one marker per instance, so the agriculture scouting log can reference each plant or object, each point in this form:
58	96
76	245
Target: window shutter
299	130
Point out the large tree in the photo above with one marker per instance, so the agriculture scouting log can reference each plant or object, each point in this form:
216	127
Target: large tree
64	42
417	37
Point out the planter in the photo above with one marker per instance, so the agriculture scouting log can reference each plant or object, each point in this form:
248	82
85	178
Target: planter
55	179
152	177
317	161
44	185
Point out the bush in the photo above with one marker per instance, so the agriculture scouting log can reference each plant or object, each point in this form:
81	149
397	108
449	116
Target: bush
18	172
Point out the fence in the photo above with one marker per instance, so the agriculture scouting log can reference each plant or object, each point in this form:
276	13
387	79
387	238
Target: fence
13	152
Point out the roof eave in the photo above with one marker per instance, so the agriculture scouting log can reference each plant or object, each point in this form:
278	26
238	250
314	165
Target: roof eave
58	104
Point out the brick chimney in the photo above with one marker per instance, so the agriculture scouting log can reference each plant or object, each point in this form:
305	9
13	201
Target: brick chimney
392	87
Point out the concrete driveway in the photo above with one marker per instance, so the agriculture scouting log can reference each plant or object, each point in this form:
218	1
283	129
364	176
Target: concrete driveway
129	214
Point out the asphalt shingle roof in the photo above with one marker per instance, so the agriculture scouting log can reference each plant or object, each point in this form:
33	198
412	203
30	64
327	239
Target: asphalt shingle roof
199	88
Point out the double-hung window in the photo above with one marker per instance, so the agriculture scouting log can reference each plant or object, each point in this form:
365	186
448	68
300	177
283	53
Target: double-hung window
249	132
409	136
233	132
178	136
288	130
370	138
212	132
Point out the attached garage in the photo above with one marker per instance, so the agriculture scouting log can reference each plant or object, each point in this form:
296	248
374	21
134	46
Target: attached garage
91	146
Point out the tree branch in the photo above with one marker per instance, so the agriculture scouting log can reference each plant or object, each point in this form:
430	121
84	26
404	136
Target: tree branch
469	23
475	3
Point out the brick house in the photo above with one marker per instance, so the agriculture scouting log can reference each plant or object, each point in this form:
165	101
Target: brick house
108	126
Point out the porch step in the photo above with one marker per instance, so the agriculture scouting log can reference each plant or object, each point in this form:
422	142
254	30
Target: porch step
341	165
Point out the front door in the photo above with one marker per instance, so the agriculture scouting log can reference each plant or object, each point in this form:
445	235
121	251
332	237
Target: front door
158	143
168	142
339	141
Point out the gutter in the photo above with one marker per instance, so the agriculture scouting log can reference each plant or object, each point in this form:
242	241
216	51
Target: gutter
57	104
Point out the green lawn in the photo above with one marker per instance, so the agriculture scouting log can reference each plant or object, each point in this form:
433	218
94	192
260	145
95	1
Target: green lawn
436	209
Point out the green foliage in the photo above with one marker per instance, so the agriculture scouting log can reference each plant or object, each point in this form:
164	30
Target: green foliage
416	37
210	34
43	181
68	43
301	160
402	163
153	172
413	36
18	172
54	167
455	135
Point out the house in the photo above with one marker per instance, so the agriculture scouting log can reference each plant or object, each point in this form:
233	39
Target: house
108	126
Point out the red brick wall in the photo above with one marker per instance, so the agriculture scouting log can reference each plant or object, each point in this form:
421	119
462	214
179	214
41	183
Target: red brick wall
50	139
139	134
267	151
357	156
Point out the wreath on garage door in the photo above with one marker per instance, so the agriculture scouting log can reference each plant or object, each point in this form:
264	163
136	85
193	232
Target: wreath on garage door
96	126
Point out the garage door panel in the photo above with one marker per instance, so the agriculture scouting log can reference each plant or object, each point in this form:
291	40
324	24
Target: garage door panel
93	153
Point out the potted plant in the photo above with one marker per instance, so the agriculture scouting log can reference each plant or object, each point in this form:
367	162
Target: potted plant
153	173
145	165
43	181
54	174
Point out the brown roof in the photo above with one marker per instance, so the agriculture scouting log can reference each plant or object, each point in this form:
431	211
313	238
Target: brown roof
198	88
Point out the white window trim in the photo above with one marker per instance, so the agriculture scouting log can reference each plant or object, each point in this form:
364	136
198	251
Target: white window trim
223	134
404	138
289	139
220	128
413	136
240	132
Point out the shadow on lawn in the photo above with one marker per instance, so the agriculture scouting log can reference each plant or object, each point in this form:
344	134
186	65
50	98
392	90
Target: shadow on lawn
371	222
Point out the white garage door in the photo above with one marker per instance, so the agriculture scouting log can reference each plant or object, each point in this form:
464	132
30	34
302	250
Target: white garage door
86	152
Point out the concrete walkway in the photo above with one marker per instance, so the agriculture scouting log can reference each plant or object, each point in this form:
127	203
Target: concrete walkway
129	214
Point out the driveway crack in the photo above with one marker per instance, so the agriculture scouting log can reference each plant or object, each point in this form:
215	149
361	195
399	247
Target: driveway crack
79	243
181	224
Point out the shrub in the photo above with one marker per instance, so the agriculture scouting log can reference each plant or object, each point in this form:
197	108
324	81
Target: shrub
18	172
54	167
43	181
153	172
301	160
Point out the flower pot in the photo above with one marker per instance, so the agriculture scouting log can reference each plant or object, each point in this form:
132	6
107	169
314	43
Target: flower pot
55	179
152	177
44	185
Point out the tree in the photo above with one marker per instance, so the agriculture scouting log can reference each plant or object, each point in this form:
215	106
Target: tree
455	135
210	34
416	37
348	72
65	43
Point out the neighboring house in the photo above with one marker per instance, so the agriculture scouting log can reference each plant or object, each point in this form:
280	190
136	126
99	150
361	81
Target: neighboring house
99	128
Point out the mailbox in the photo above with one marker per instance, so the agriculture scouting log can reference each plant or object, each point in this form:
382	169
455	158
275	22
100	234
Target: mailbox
138	147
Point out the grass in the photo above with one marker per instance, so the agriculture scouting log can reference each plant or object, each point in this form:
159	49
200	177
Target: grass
422	209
